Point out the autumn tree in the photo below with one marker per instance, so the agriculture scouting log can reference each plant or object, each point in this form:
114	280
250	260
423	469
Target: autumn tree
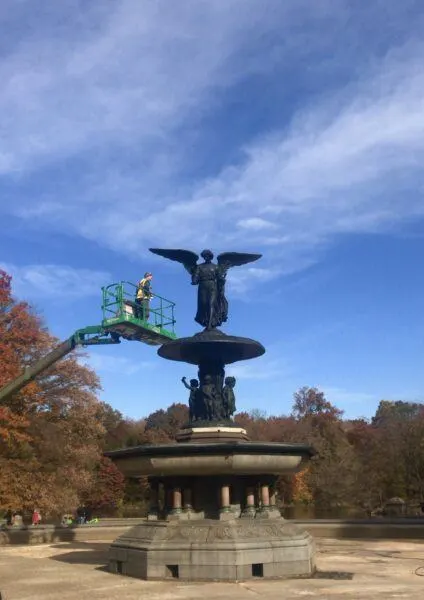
398	433
49	434
332	474
106	492
167	422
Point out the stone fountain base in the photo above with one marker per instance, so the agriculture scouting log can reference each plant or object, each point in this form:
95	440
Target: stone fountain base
206	549
213	513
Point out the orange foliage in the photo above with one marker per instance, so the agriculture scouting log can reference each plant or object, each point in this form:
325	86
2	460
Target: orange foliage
301	492
50	437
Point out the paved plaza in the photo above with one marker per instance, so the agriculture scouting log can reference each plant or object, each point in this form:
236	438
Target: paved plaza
346	569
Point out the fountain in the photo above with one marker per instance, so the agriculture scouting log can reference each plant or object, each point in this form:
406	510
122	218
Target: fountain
213	513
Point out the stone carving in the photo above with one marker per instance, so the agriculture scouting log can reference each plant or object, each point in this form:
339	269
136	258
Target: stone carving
209	533
190	534
212	305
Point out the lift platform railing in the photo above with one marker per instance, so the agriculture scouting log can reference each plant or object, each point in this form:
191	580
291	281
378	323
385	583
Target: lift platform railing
119	302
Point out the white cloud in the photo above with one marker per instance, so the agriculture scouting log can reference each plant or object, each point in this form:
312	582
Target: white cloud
255	224
119	94
115	364
336	394
263	368
240	280
55	281
337	170
120	72
350	401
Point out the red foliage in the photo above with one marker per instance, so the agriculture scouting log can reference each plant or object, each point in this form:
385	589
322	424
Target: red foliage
108	487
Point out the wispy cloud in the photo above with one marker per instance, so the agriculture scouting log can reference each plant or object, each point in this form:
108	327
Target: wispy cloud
241	280
55	281
347	398
116	364
256	224
263	368
116	73
128	96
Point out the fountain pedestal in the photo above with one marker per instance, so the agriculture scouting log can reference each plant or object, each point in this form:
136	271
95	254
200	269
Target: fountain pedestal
213	513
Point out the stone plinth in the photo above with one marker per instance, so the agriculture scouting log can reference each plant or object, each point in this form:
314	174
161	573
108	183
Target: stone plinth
212	434
213	514
232	550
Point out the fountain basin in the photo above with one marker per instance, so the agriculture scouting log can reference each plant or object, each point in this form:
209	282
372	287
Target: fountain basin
213	513
234	458
209	346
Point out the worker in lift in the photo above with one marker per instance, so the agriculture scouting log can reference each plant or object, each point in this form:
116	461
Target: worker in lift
143	297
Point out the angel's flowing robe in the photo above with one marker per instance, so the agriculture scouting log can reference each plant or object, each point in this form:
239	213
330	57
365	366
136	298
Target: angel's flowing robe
212	306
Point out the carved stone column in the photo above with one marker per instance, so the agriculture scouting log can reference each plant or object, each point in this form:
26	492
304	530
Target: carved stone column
225	502
176	499
265	496
269	509
225	497
265	511
249	509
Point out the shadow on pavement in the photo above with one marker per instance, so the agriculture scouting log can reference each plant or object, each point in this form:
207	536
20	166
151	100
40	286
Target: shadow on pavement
88	553
342	575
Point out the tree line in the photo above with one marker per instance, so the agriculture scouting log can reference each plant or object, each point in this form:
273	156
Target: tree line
53	434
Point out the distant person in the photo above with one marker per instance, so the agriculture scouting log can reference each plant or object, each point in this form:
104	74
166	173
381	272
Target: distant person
81	515
143	297
36	517
9	518
88	514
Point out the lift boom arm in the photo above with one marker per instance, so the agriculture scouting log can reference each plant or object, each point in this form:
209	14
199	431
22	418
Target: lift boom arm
89	336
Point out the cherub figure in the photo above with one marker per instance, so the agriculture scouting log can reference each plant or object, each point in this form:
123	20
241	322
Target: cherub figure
228	397
193	398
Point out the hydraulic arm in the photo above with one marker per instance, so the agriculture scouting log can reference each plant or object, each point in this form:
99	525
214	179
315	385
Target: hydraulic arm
89	336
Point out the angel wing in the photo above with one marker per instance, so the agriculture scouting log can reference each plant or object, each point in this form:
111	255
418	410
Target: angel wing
236	259
187	258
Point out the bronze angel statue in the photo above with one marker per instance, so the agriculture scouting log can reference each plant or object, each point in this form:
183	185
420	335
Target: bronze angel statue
212	305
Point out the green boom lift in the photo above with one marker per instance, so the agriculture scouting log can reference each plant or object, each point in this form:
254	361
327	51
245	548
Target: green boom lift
120	319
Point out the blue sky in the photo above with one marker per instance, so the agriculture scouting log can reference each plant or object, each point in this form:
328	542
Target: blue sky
295	129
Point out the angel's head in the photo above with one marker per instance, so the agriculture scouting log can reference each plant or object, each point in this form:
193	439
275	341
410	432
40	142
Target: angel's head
207	255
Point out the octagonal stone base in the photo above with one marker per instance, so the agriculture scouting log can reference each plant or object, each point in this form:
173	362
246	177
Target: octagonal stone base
233	550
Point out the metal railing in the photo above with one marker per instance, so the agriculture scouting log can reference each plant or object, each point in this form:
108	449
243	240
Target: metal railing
119	302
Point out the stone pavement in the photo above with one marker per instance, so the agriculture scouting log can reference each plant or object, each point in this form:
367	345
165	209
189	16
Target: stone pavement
346	569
